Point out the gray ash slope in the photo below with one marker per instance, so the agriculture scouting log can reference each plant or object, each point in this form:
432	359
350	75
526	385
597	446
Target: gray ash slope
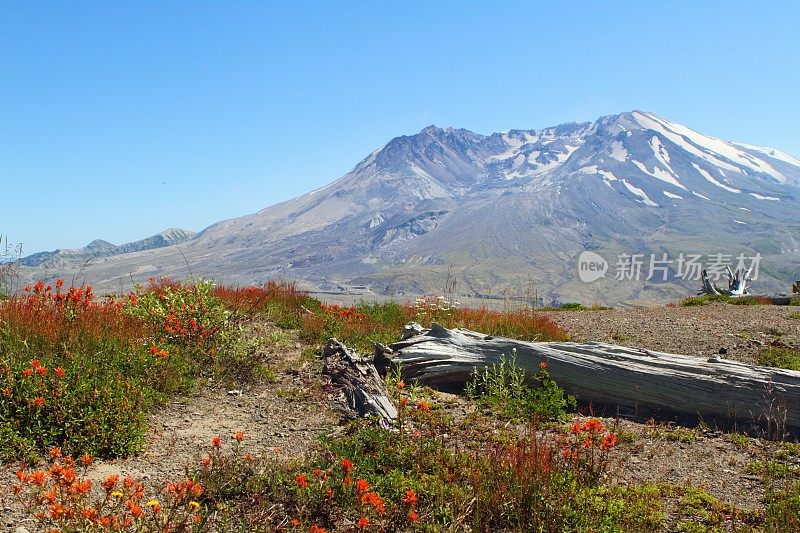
509	209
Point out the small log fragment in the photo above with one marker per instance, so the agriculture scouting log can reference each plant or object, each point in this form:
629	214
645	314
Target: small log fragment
359	380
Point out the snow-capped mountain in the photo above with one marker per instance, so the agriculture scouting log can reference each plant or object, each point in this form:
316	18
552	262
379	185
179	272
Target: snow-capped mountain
514	206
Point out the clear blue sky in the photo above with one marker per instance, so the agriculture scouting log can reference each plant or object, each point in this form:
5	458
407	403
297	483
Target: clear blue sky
120	119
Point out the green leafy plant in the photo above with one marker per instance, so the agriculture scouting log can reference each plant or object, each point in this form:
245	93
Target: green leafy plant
184	315
505	388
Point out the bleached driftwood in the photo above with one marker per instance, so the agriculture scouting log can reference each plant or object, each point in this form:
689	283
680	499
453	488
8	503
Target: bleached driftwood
643	381
359	380
737	284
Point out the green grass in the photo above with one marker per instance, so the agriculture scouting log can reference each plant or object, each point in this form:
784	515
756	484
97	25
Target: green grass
705	299
772	469
787	358
681	434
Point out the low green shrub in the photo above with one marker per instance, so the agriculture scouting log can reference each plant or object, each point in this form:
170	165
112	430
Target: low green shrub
505	388
787	358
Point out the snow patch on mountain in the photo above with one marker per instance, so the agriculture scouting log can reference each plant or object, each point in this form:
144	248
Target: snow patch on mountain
704	146
710	178
774	153
670	195
649	121
640	193
618	151
658	173
762	197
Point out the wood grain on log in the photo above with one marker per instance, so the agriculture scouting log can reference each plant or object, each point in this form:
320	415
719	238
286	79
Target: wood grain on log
363	387
632	378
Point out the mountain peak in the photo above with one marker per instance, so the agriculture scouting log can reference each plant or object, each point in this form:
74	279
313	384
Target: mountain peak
99	244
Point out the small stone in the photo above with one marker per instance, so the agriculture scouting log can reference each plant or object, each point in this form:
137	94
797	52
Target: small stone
235	392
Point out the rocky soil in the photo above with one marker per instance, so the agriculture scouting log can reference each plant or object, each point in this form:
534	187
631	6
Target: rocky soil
741	331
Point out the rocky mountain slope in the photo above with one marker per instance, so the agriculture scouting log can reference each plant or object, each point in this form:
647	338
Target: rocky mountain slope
514	210
69	258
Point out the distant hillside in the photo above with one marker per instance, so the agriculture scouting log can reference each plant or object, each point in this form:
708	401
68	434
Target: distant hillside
70	258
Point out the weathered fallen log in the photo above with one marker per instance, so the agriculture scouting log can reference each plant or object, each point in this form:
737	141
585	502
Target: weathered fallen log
359	380
644	381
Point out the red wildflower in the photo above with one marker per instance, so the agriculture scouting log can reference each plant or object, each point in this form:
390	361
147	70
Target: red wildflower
422	405
38	402
302	482
374	499
575	429
37	477
412	517
410	498
60	372
134	508
83	487
27	372
239	436
216	442
609	441
543	365
347	465
362	486
55	453
110	482
362	523
593	425
6	391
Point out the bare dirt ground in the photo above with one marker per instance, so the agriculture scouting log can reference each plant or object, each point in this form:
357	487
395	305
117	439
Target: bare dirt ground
289	412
